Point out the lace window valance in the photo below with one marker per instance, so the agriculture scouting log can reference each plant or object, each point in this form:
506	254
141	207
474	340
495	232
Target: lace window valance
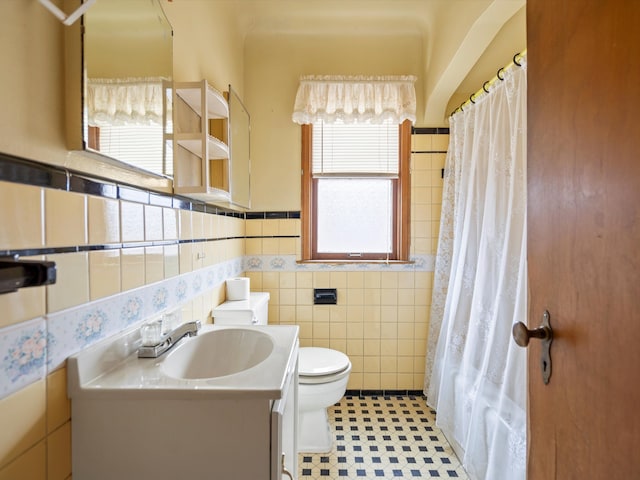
351	99
124	101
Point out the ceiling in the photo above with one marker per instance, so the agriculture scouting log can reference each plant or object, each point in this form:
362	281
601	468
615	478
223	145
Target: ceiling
465	41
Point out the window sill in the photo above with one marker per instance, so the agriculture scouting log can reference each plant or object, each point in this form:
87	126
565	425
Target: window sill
358	262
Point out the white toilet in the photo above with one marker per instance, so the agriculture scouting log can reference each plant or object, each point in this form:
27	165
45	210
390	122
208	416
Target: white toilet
322	381
322	373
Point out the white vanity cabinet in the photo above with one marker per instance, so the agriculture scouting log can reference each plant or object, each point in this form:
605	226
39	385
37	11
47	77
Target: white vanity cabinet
129	420
284	429
200	142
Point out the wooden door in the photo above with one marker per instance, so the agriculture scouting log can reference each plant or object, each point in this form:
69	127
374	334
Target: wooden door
584	237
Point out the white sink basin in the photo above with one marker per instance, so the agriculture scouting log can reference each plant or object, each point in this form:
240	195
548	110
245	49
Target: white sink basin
217	353
219	362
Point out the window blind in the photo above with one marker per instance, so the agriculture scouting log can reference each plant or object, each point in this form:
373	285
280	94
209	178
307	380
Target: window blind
340	149
138	145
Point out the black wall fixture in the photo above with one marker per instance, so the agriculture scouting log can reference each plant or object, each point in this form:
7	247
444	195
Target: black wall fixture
327	296
16	273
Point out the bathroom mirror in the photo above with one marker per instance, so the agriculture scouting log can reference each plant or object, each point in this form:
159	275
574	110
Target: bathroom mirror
239	152
126	83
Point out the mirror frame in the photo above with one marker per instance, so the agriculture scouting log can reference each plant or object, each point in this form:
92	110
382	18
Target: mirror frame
240	175
80	159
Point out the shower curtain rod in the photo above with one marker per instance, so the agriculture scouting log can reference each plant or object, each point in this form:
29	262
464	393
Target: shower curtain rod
486	85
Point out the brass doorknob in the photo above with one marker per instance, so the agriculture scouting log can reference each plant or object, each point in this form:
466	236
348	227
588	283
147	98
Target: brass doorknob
522	335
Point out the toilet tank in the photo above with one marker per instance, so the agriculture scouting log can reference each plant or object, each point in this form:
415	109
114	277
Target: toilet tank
254	311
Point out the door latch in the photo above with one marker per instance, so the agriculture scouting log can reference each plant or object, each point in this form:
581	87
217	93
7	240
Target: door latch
522	335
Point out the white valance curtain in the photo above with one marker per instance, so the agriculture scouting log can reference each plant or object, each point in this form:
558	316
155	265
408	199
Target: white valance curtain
475	373
124	101
355	98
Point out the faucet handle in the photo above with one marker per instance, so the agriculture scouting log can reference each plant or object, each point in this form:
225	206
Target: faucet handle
197	326
151	333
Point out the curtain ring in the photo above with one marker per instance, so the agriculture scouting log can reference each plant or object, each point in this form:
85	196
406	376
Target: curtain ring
484	86
471	98
515	61
498	74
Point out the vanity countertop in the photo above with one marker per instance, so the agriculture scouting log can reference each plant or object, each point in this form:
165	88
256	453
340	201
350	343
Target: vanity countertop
112	369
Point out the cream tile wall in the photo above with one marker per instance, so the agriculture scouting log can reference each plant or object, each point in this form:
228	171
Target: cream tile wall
108	253
104	221
381	320
21	202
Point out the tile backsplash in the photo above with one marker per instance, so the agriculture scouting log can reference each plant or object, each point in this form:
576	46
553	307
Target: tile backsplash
120	258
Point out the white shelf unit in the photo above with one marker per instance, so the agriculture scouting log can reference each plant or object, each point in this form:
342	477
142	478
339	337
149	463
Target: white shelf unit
201	151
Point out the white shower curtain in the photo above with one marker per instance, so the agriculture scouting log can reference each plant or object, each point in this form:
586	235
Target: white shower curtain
476	375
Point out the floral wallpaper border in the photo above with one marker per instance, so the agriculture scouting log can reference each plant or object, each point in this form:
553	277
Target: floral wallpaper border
24	355
30	350
287	263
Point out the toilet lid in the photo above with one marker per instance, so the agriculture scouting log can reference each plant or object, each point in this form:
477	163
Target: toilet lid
315	361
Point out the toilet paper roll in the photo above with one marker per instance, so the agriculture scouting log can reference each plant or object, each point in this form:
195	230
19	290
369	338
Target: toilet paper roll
238	288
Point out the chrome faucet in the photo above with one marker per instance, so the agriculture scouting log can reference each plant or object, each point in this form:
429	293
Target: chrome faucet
169	339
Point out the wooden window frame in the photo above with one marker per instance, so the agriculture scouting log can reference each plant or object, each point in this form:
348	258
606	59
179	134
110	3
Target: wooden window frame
401	212
93	140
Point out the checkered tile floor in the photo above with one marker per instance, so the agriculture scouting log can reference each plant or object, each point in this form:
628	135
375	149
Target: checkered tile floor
383	437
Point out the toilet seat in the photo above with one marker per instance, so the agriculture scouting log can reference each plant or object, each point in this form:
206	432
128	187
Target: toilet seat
322	365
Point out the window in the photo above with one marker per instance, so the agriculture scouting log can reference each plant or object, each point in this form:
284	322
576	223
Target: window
356	134
137	145
129	119
355	191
